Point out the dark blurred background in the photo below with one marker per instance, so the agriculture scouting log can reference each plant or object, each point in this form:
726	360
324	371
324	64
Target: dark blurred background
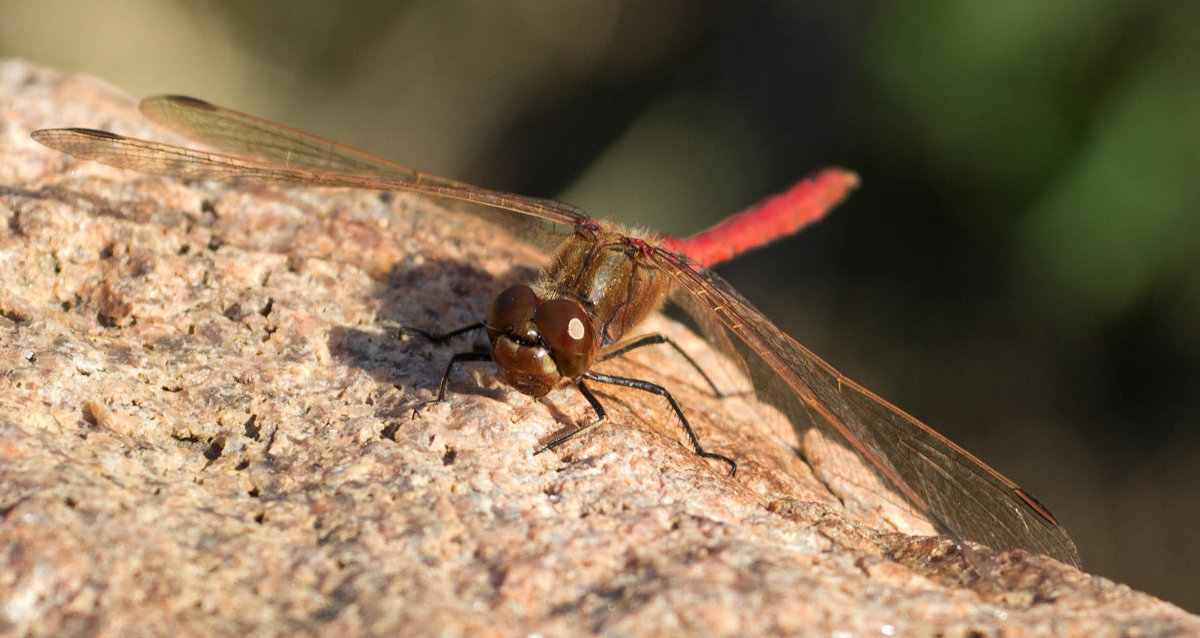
1021	268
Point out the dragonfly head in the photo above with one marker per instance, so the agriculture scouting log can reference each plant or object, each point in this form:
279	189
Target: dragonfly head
536	343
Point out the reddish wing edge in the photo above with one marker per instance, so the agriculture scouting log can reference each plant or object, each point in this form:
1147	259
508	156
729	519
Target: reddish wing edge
957	492
974	502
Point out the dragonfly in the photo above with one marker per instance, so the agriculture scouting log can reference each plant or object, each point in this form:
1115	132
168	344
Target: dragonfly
602	282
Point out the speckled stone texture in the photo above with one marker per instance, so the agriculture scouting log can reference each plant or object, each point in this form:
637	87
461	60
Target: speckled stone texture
205	428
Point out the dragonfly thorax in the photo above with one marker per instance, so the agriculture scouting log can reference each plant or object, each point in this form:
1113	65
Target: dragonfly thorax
537	343
610	276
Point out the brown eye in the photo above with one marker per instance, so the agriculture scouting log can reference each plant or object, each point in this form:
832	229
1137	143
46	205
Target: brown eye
564	326
512	307
567	330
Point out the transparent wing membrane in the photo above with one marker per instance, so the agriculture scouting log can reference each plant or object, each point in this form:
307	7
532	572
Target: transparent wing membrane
947	485
234	132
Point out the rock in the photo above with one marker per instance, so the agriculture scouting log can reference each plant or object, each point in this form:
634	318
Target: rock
205	427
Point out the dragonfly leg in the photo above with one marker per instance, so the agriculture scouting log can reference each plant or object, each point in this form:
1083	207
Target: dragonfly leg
440	338
653	388
601	417
457	358
654	339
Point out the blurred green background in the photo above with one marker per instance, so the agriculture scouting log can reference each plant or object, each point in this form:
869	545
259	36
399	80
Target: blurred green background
1021	268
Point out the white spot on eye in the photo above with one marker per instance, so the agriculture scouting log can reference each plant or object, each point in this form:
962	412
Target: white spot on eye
575	328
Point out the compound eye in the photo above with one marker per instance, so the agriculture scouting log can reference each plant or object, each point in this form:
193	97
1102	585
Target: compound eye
511	308
567	330
564	326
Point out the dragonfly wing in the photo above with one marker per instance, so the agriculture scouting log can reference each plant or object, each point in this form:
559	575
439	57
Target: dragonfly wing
955	491
539	221
237	133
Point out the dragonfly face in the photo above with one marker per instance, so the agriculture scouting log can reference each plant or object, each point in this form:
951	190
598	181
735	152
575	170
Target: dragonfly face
536	343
